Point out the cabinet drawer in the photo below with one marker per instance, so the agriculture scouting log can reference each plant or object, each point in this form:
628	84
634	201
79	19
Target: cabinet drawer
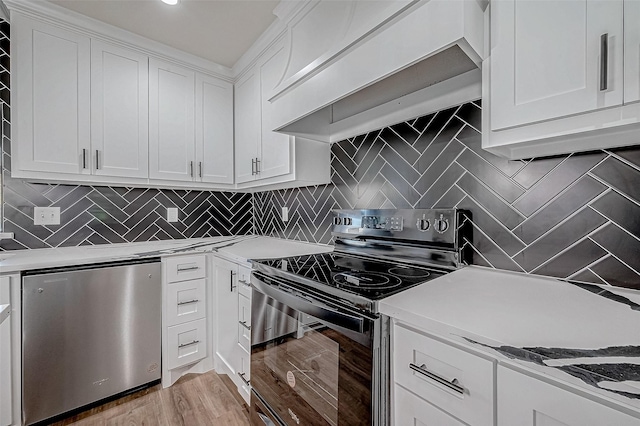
183	268
244	322
411	410
244	373
187	343
186	301
526	401
453	380
244	281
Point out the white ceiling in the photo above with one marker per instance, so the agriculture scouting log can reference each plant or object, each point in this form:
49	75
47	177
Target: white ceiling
217	30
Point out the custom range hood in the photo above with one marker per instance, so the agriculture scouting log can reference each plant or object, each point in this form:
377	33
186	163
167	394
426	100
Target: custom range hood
388	65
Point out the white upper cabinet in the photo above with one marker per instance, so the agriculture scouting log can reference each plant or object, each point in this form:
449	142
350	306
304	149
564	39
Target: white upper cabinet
247	125
275	147
171	122
631	51
561	77
554	58
119	111
261	153
50	96
214	130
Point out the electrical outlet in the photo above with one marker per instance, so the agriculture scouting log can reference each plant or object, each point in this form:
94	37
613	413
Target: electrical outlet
285	214
46	215
172	214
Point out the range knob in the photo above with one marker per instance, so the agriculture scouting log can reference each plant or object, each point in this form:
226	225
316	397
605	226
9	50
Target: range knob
440	225
422	225
347	221
337	220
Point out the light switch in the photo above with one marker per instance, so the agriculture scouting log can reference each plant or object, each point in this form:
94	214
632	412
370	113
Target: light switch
172	214
285	214
46	215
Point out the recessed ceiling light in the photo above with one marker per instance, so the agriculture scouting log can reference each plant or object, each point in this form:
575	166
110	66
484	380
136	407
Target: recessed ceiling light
171	2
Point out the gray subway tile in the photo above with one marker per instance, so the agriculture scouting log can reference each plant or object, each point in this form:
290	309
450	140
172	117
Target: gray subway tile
576	197
571	261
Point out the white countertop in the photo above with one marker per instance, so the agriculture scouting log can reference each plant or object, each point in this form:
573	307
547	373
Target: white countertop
241	248
504	312
5	310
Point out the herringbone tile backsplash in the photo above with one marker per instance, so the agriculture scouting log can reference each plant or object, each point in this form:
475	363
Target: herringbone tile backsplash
574	216
102	215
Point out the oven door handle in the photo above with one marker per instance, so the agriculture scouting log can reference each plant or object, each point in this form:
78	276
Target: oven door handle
309	305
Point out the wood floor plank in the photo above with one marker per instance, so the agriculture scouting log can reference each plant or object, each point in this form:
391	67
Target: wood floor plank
194	400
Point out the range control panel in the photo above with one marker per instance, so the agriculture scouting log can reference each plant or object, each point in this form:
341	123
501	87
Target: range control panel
425	225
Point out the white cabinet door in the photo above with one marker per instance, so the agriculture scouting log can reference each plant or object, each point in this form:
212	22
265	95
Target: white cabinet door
247	125
225	282
171	122
546	59
214	129
51	78
5	357
119	111
631	51
525	401
408	409
275	153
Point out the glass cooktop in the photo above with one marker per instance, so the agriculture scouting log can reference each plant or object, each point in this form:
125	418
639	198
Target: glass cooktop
370	278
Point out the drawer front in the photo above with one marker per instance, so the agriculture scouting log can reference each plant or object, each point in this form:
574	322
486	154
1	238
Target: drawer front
186	301
244	373
526	401
244	281
244	323
183	268
411	410
187	343
453	380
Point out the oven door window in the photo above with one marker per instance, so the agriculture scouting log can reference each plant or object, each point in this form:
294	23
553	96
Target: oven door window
308	372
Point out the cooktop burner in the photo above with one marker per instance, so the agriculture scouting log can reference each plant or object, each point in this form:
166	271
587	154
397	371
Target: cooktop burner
371	278
366	280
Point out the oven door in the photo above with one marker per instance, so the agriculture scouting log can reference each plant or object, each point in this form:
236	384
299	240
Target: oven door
312	363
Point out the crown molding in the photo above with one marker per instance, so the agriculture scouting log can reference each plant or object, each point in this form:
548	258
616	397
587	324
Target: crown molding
62	17
285	12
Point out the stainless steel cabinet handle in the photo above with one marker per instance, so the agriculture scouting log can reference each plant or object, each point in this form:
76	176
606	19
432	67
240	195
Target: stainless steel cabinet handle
84	158
453	384
244	324
188	302
191	167
97	159
604	61
188	268
188	344
244	283
253	166
231	280
257	166
200	169
246	382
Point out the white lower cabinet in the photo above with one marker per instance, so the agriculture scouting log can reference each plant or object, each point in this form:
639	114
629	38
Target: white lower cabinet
232	322
185	317
526	401
5	356
412	410
456	381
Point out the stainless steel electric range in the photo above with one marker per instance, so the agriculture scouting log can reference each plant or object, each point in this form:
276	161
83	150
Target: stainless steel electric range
320	349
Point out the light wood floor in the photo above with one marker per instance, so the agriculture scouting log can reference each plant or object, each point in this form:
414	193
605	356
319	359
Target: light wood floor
204	399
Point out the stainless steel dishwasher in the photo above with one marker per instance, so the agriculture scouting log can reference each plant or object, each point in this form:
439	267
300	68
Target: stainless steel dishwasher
88	333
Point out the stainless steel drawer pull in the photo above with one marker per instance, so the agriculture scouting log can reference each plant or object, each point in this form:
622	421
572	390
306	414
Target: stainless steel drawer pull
604	61
246	382
244	324
188	302
453	384
188	268
245	283
188	344
231	281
